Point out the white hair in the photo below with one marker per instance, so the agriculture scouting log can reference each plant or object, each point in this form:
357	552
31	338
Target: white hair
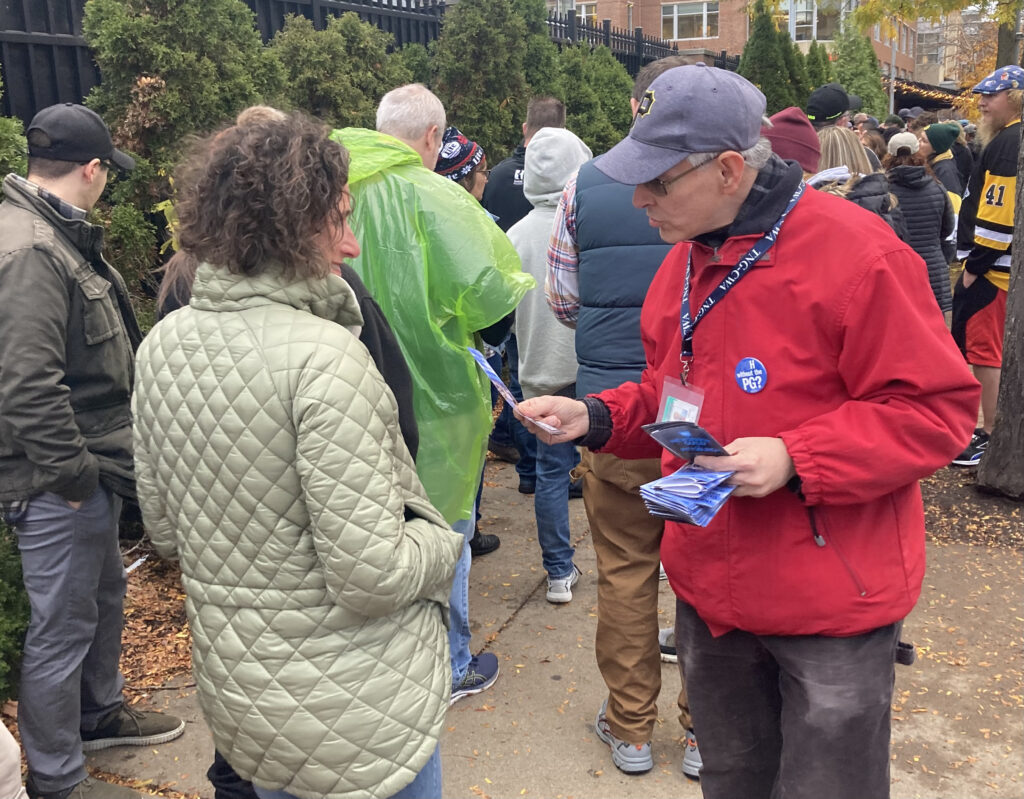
755	157
409	111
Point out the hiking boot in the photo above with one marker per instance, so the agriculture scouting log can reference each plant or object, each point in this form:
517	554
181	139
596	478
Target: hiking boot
483	544
628	758
86	789
127	726
972	455
692	763
667	644
527	485
560	588
503	452
481	674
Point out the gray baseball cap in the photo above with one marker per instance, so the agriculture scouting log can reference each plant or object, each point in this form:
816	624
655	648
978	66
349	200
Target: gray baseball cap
687	110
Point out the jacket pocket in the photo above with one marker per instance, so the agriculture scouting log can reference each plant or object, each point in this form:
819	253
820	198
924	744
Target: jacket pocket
98	311
833	544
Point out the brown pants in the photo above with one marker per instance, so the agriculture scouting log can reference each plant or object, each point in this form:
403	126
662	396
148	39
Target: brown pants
627	541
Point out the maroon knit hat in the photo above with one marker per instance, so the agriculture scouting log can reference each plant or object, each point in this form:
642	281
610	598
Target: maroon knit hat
794	139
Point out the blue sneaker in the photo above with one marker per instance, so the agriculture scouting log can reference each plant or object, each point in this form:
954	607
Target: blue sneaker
481	674
975	450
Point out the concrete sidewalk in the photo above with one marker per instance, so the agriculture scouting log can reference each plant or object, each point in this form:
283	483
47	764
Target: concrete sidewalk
957	727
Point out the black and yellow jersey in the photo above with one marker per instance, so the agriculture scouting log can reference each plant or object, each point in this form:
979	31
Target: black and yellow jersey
985	232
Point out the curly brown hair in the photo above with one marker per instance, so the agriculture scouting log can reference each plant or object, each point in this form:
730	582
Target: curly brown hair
260	193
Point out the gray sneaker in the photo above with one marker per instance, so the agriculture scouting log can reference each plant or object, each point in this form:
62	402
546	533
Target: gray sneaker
628	758
692	762
667	644
560	589
86	789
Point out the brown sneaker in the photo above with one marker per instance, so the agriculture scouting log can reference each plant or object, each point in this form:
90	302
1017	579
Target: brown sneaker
86	789
127	726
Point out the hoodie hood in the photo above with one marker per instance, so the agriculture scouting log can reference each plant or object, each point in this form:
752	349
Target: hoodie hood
553	156
913	177
372	152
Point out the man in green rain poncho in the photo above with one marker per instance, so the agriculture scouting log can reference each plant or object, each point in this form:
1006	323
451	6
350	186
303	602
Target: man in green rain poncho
443	273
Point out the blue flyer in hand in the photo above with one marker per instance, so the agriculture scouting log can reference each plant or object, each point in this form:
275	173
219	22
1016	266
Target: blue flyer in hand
503	390
684	439
690	494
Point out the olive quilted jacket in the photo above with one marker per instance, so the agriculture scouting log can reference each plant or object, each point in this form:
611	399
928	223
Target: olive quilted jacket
269	459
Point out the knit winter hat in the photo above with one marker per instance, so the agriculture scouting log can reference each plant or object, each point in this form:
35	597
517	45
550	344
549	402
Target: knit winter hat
942	135
793	138
903	141
458	155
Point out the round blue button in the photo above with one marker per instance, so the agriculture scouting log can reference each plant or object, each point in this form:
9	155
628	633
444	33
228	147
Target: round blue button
751	376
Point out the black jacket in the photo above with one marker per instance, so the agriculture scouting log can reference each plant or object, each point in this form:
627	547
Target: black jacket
928	216
964	161
871	193
947	173
503	195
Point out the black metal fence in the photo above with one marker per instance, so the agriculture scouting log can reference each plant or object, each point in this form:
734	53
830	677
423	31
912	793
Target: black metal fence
407	20
632	48
45	59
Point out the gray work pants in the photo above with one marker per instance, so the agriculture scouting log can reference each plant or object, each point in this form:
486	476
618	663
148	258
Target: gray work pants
789	717
69	675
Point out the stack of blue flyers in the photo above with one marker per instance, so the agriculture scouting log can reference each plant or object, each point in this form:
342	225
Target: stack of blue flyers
690	494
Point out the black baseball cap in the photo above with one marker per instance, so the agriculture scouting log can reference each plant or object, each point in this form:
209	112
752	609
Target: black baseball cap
70	132
829	102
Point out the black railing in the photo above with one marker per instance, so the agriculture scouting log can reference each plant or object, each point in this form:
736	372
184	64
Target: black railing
407	20
632	48
44	57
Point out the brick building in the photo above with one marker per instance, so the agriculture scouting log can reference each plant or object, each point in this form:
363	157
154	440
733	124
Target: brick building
711	26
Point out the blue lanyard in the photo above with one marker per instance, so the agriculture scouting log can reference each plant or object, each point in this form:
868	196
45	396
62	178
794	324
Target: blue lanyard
743	266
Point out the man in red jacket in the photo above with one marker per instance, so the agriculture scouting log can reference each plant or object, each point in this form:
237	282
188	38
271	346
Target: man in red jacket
796	327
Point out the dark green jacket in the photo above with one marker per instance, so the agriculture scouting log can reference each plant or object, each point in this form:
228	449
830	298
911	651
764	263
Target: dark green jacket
67	342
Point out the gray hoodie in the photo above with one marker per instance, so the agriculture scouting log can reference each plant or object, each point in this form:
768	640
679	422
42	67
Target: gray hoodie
547	349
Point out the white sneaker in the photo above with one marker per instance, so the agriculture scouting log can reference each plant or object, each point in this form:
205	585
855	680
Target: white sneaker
661	571
560	589
667	644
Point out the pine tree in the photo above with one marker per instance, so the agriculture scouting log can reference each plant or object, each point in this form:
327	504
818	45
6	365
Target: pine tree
541	56
584	113
857	70
815	68
801	81
795	70
340	73
174	67
416	58
613	87
479	63
763	62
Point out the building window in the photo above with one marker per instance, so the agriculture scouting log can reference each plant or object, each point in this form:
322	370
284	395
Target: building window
928	47
689	21
587	12
828	21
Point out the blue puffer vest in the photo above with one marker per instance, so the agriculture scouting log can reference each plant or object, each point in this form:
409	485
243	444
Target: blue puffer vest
619	252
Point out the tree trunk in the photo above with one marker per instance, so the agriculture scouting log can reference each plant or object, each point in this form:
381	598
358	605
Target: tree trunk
1006	47
1001	470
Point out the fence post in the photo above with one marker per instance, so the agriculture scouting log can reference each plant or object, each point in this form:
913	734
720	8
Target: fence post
318	15
571	20
638	36
607	25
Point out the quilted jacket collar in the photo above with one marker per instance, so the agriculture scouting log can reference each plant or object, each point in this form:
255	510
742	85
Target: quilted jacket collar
331	298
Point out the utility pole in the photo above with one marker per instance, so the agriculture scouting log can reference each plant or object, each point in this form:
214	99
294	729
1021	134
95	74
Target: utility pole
892	70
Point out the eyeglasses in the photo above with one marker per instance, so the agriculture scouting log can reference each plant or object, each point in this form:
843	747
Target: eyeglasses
660	187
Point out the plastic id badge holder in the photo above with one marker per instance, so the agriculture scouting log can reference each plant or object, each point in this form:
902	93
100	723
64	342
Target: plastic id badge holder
679	402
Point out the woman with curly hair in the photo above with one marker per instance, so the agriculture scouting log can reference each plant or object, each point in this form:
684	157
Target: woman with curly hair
269	459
